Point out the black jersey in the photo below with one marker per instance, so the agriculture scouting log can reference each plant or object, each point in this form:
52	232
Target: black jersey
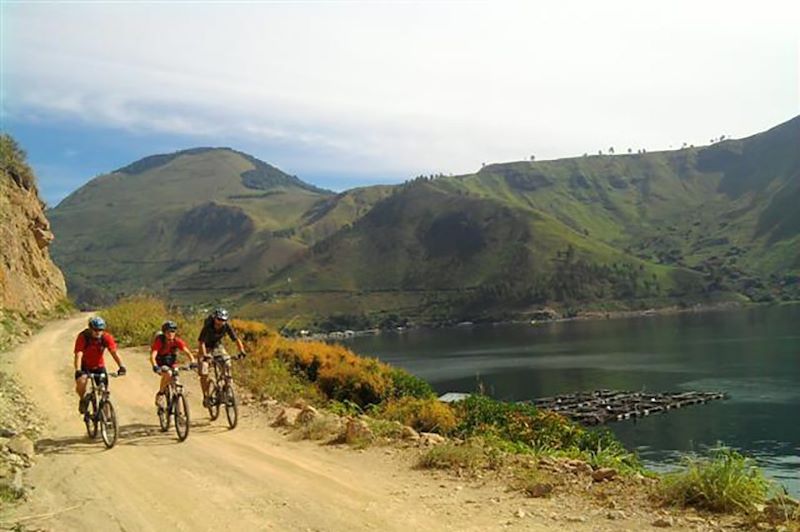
211	337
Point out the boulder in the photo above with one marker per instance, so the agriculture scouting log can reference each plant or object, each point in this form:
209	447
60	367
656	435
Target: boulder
357	431
287	417
408	433
431	438
22	446
540	489
604	473
307	415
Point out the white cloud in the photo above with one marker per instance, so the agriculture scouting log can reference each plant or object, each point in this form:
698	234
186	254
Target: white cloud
408	86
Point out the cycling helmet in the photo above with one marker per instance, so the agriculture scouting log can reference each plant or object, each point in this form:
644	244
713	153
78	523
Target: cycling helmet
220	314
97	323
169	326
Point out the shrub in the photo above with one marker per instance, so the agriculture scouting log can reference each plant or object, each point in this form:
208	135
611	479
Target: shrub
134	320
723	482
520	428
269	377
427	415
452	456
404	384
250	331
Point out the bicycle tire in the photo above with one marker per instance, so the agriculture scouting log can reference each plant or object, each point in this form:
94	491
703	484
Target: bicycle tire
108	424
213	397
181	412
231	405
90	417
164	415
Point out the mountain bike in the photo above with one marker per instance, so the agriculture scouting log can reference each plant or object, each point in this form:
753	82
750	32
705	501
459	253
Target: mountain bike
221	391
176	406
99	410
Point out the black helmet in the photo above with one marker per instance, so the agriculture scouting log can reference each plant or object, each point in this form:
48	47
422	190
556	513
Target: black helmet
220	314
169	326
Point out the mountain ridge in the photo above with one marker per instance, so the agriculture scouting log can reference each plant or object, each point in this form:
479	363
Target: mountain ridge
627	229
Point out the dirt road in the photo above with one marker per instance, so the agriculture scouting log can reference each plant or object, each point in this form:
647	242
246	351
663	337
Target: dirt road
250	478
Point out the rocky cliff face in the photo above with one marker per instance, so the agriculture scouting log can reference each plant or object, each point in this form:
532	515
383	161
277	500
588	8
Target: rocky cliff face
29	281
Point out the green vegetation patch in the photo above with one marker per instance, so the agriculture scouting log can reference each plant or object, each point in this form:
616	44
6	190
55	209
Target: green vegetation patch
725	481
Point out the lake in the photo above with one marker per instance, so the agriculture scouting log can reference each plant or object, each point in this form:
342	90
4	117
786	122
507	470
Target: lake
753	355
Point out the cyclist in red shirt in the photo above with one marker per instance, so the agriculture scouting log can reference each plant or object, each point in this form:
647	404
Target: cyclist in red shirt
164	352
90	347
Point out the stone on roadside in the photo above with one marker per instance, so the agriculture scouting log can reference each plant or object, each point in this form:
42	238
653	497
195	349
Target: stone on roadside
541	489
408	433
577	466
22	446
287	417
663	522
357	431
307	415
430	438
604	473
616	515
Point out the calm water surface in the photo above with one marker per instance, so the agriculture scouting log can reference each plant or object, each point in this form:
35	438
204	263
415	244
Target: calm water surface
753	355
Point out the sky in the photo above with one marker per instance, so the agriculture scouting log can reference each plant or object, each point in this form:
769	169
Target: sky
346	94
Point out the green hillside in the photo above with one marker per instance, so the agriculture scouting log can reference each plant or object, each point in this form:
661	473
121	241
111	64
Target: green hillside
684	226
171	217
606	231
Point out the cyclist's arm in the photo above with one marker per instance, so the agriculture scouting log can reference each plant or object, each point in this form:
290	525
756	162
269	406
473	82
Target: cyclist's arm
240	345
233	336
153	354
117	358
188	352
77	360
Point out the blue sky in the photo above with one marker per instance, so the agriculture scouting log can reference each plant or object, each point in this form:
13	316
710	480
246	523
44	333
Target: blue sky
346	94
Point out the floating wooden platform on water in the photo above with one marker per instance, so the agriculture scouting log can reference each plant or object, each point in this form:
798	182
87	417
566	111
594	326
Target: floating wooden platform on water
603	406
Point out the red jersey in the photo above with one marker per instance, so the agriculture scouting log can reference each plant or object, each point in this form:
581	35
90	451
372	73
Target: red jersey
163	346
94	348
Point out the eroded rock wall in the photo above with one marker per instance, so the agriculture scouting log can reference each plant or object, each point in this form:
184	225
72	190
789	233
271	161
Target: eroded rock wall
29	280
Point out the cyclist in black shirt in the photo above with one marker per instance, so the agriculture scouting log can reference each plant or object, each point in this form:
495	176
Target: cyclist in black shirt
215	328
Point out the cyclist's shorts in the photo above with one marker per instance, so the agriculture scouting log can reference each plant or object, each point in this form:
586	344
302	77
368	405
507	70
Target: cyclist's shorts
96	372
167	360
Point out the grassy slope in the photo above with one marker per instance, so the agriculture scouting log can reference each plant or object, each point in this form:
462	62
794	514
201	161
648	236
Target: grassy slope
155	227
725	207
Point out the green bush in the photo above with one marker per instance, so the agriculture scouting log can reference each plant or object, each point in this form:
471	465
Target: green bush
270	377
427	415
452	456
134	320
407	385
521	428
725	481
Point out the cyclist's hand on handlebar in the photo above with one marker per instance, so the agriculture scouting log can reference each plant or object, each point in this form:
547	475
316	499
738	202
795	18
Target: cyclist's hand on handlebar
121	372
192	365
241	355
79	373
156	369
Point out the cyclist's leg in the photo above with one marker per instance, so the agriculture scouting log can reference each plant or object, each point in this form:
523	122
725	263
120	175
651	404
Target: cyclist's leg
169	361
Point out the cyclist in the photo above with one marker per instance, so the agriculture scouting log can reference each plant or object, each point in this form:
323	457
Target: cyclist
164	352
215	328
90	347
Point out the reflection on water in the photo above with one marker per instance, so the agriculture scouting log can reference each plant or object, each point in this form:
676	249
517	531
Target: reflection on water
753	355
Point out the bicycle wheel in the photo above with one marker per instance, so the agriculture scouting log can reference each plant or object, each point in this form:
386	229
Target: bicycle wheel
213	400
231	405
163	414
90	417
108	424
181	410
